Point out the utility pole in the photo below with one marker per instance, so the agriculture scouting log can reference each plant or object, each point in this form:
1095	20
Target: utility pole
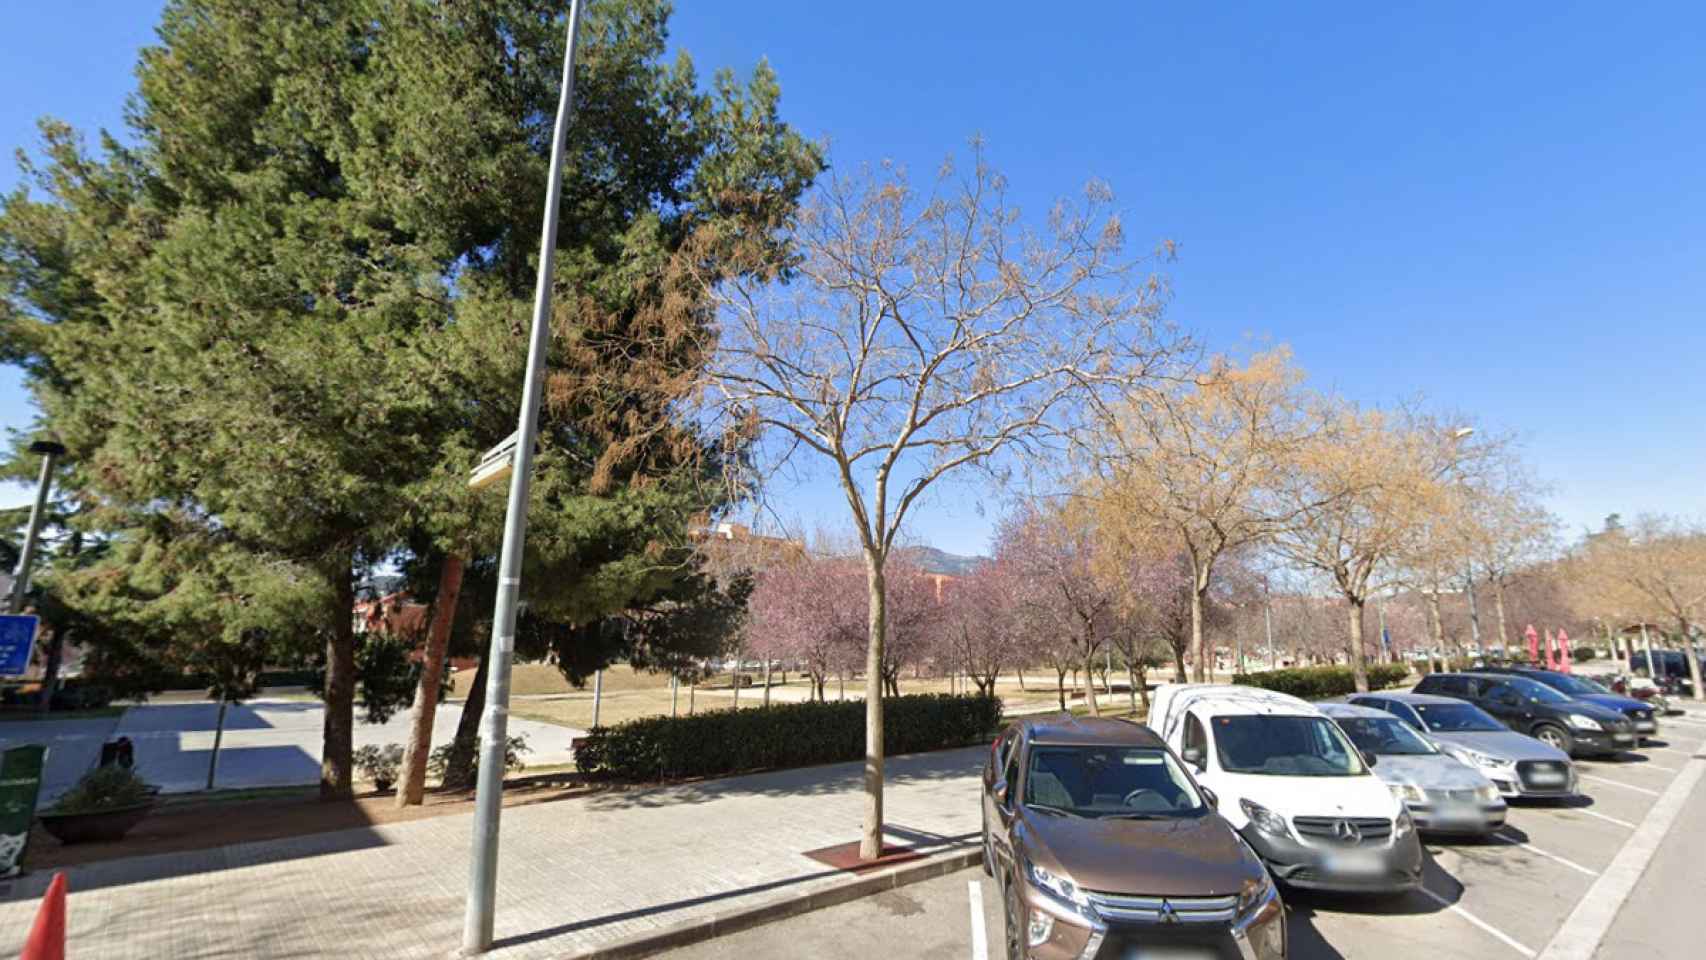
478	920
1268	621
597	694
21	577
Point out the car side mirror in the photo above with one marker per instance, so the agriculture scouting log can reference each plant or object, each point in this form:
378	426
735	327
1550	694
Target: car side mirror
1193	756
1369	758
1209	797
1000	790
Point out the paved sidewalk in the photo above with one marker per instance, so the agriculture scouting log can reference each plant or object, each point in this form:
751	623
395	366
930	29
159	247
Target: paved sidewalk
573	874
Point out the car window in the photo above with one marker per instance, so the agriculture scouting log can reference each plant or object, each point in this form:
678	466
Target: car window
1385	737
1285	746
1110	781
1010	773
1537	692
1403	712
1195	738
1455	718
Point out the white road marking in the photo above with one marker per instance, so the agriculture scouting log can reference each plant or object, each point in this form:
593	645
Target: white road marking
1531	848
1589	776
1622	823
1579	937
1493	931
979	936
1689	721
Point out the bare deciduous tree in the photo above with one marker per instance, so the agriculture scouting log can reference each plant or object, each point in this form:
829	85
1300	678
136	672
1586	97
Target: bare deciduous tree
919	334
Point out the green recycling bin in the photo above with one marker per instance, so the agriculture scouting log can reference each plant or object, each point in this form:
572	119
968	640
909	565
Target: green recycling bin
20	785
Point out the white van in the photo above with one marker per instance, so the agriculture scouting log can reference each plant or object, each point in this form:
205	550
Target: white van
1293	785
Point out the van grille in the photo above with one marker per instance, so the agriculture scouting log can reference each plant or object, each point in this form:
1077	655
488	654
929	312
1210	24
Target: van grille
1327	830
1125	908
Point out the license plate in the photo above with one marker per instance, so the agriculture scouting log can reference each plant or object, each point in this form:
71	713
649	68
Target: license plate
1354	864
1622	737
1460	813
1152	952
1646	726
1547	778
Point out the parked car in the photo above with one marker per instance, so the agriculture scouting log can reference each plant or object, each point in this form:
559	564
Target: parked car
1294	786
1518	765
1441	793
1573	726
1103	845
1581	688
1668	668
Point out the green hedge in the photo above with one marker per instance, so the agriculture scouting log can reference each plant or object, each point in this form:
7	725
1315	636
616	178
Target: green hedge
1319	683
783	735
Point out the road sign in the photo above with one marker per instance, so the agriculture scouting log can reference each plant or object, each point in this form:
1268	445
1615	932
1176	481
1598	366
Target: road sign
20	785
17	640
495	464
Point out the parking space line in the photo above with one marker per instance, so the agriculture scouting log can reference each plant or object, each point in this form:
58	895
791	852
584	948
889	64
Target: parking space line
1614	783
1486	927
979	936
1622	823
1531	848
1586	926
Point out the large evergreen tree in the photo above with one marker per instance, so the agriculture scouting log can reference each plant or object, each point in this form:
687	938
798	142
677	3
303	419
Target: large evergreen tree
294	309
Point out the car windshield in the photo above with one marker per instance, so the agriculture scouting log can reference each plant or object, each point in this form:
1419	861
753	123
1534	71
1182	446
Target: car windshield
1095	781
1579	686
1285	747
1537	692
1385	737
1456	718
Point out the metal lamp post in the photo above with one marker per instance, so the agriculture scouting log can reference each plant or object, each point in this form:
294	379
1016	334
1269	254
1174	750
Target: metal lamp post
494	727
49	451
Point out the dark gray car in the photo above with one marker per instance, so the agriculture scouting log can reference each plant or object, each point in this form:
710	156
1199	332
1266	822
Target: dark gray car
1519	765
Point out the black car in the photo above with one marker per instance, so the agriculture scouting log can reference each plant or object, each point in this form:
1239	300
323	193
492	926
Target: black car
1576	727
1581	688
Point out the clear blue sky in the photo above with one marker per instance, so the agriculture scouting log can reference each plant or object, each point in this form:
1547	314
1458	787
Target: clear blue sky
1500	207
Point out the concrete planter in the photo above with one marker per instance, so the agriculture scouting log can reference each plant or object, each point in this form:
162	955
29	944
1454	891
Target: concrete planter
100	826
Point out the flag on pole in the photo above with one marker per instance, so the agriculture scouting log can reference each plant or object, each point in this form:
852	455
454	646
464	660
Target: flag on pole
1551	663
1564	649
1533	644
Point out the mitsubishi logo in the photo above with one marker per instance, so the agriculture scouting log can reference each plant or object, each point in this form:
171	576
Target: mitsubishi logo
1345	831
1168	914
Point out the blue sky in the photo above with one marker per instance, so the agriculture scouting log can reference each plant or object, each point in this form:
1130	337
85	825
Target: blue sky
1497	207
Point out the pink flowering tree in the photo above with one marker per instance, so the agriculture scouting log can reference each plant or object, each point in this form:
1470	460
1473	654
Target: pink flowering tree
917	622
1053	555
809	612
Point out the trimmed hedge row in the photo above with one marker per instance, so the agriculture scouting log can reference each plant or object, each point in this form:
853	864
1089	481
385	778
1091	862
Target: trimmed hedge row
1319	683
783	735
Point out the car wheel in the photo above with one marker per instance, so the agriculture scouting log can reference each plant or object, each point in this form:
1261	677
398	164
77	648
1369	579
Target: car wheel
1015	922
1555	736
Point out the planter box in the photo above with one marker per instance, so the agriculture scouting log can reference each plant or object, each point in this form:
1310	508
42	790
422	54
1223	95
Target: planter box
101	826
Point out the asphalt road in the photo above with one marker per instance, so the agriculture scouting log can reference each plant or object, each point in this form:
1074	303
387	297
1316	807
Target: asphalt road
1559	880
266	742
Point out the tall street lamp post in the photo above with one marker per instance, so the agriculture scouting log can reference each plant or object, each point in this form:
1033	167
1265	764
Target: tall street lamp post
477	922
49	451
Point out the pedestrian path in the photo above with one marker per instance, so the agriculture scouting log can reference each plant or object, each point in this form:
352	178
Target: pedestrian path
573	874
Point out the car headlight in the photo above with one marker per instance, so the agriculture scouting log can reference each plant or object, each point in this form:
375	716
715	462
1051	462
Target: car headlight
1265	820
1479	759
1487	794
1254	894
1407	793
1059	888
1584	722
1403	826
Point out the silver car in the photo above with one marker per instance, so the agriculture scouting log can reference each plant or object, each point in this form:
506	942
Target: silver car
1520	766
1442	794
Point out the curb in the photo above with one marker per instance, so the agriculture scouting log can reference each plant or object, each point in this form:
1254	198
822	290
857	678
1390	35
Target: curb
745	918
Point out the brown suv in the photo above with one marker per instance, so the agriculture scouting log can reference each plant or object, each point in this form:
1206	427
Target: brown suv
1105	847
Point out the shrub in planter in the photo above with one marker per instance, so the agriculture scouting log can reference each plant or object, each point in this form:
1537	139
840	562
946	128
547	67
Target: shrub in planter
780	736
1319	683
514	747
103	806
380	764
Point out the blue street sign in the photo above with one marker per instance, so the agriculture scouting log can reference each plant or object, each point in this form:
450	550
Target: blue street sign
17	638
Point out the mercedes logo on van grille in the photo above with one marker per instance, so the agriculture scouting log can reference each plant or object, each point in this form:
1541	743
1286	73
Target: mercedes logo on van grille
1168	914
1345	831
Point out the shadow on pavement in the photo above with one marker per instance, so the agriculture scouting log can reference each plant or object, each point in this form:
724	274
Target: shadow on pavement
955	764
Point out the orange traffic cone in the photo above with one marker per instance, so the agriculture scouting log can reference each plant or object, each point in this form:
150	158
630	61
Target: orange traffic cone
47	937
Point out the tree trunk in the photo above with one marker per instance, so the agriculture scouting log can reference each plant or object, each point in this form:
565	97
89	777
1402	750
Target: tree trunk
1692	660
1499	608
1131	678
1438	627
1060	685
1196	629
1021	679
1143	688
1359	664
338	734
675	693
767	681
1178	663
411	778
50	678
459	766
1090	684
218	736
871	837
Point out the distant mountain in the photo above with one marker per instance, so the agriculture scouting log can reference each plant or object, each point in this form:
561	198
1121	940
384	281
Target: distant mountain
941	561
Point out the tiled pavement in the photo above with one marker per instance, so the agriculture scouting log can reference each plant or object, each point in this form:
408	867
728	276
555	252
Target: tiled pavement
573	873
